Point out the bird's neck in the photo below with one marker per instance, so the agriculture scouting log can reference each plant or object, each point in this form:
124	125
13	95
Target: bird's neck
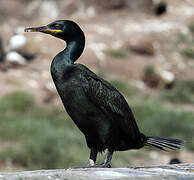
73	50
67	57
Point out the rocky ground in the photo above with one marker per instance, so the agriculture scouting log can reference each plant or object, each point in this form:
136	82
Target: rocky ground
137	36
173	172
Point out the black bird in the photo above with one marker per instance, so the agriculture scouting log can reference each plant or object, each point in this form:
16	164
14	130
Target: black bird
175	161
97	108
160	8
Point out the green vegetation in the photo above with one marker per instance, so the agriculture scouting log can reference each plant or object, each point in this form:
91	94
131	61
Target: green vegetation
151	77
186	43
149	69
17	101
181	93
188	52
47	138
181	38
117	52
191	28
44	137
155	119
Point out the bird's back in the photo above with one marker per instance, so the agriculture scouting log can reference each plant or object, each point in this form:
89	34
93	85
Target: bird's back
112	103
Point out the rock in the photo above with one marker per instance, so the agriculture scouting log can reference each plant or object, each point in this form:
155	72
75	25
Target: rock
27	55
17	41
15	58
167	76
142	46
150	77
155	78
18	49
170	172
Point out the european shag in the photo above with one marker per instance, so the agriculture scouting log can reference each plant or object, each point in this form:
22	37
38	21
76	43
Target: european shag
97	108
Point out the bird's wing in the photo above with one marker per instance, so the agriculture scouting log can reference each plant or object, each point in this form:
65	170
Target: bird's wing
110	101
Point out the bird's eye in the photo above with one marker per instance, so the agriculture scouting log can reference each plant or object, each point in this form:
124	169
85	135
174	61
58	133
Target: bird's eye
57	26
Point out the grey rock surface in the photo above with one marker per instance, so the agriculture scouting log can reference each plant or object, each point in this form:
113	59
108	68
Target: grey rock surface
168	172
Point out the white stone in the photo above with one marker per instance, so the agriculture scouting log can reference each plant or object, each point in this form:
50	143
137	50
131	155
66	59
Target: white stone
167	76
17	41
15	58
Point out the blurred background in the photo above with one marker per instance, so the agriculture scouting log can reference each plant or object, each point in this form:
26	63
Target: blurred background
145	48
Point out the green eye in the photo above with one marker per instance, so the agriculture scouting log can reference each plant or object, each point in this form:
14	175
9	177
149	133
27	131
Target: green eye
57	26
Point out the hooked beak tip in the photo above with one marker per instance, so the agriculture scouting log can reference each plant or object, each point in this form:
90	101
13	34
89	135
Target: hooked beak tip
26	30
29	30
34	29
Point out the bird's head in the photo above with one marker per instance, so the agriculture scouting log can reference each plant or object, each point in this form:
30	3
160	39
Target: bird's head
63	29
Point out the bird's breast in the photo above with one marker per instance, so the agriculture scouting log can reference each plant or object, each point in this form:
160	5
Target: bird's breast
70	89
76	102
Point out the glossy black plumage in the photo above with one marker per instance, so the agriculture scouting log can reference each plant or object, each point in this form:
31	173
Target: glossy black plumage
96	107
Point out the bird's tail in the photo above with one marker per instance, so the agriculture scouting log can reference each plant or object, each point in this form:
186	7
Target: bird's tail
164	143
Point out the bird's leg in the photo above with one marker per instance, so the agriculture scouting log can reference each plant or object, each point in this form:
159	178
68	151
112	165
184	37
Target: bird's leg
107	159
93	156
92	160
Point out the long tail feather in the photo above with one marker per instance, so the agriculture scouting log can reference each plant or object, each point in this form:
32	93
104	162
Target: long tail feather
164	144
